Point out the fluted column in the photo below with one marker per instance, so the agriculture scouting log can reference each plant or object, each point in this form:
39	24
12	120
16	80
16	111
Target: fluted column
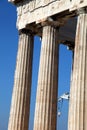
46	100
20	105
78	96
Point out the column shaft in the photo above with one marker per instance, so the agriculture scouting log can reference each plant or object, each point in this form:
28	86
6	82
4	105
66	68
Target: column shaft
20	105
78	96
46	100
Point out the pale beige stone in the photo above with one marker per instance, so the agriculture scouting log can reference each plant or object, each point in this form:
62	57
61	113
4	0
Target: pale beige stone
31	15
20	105
46	100
31	11
78	96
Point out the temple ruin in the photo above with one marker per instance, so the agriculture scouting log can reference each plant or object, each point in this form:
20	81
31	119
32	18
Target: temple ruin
55	22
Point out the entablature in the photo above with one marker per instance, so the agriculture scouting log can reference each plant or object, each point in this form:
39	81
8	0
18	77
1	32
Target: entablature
35	11
32	14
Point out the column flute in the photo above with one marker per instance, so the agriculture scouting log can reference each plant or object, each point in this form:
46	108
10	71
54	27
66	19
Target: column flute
78	96
20	105
46	100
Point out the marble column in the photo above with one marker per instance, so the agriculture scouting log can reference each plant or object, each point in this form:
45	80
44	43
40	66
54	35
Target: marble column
46	100
78	94
20	105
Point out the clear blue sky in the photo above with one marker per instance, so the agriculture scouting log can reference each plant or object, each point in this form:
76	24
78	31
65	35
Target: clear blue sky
8	51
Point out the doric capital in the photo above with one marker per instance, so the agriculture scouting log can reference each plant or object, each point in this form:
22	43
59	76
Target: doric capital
25	31
81	11
51	22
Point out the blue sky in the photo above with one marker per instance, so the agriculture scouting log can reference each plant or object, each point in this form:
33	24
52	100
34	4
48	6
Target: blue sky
8	51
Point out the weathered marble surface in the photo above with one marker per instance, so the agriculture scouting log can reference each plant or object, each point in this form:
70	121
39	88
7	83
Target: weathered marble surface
29	11
20	105
46	100
78	94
